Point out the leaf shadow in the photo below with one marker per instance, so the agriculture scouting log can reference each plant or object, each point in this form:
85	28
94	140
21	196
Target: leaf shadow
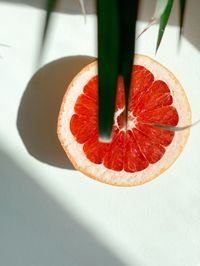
39	109
63	6
191	26
36	230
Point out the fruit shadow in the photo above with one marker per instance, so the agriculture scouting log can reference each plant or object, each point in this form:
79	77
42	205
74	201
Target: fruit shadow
39	109
36	230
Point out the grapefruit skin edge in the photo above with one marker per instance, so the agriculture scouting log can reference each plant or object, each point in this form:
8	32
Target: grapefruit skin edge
134	178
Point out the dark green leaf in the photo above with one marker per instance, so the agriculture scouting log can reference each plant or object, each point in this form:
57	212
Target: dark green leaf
163	22
128	16
49	9
182	12
116	37
108	63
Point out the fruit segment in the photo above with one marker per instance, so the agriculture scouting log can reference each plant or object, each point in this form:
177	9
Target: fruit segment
158	95
150	102
95	150
86	106
141	82
82	127
114	157
153	151
166	115
156	134
134	160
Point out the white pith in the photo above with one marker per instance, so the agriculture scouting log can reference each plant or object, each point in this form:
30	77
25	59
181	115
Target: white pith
100	172
116	115
132	121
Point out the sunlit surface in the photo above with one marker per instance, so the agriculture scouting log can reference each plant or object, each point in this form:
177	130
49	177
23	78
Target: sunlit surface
50	215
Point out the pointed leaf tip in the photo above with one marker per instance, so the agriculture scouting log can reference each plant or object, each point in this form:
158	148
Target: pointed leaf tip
163	22
159	10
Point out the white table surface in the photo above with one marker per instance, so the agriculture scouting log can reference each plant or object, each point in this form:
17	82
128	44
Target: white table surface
52	216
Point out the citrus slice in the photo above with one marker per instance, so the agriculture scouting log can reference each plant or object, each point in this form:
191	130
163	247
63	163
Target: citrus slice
143	151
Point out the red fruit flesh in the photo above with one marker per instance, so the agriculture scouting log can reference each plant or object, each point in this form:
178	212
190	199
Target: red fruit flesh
150	102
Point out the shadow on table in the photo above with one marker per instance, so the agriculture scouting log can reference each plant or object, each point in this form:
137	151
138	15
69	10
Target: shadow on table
40	105
69	6
146	10
35	230
63	6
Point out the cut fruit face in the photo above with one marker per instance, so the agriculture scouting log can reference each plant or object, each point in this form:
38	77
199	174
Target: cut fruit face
141	152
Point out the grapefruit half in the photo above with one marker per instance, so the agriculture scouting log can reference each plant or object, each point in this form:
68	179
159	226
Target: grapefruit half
143	151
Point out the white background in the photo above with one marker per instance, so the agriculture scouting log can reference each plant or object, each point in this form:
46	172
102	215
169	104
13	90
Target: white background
50	215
